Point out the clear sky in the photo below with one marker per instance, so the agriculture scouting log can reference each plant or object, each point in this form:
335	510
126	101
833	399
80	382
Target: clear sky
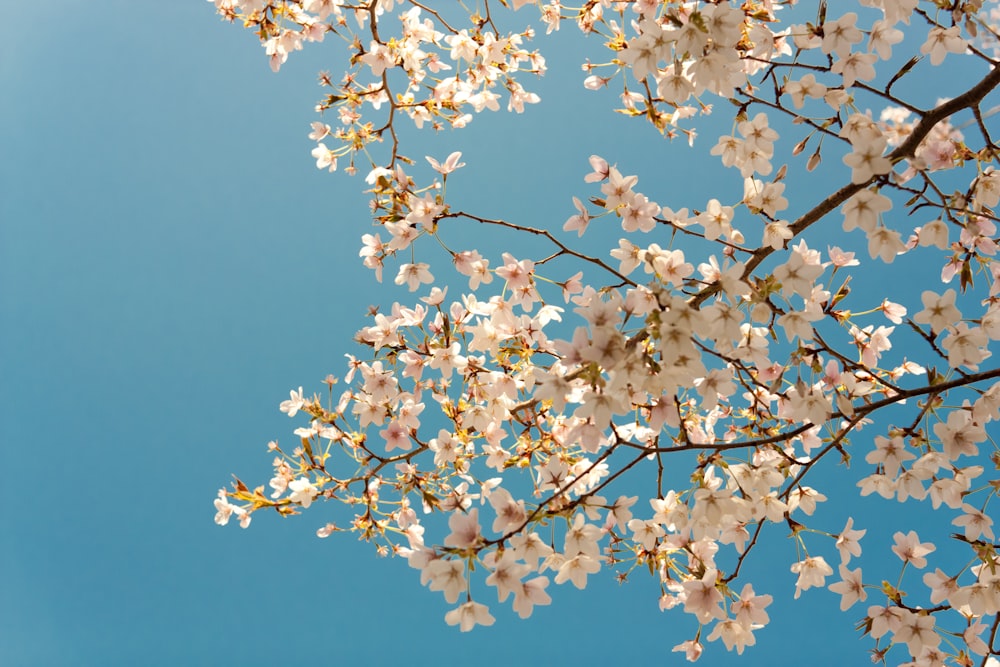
171	264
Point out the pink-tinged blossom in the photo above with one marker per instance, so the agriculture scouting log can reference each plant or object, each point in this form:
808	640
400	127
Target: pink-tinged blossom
469	615
807	86
323	8
423	212
975	523
283	475
898	10
669	265
893	311
376	174
798	275
582	538
576	569
620	514
959	435
629	254
804	498
618	189
506	575
718	383
529	593
717	72
866	160
414	275
372	252
859	128
849	541
776	234
519	97
715	219
749	609
692	649
942	41
278	47
850	588
812	571
639	214
987	189
450	164
839	35
600	167
730	278
884	620
916	631
799	322
225	510
733	635
579	221
757	133
551	16
670	511
325	158
951	268
806	405
987	406
885	244
942	586
890	453
518	274
674	84
436	297
396	437
966	346
511	514
303	491
730	149
646	533
909	484
378	58
530	548
295	403
882	38
910	550
447	576
939	310
983	596
862	210
465	532
855	66
841	258
702	598
973	640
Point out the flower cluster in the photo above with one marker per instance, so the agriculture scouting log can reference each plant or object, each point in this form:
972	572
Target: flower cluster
497	435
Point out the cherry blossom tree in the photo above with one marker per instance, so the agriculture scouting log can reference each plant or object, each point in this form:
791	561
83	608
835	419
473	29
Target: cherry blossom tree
660	407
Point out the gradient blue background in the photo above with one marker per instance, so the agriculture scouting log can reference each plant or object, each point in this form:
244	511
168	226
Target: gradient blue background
171	263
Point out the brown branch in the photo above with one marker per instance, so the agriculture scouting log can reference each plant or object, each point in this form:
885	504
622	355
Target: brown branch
563	248
907	149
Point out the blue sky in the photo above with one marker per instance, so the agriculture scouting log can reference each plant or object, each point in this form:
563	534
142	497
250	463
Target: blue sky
171	263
